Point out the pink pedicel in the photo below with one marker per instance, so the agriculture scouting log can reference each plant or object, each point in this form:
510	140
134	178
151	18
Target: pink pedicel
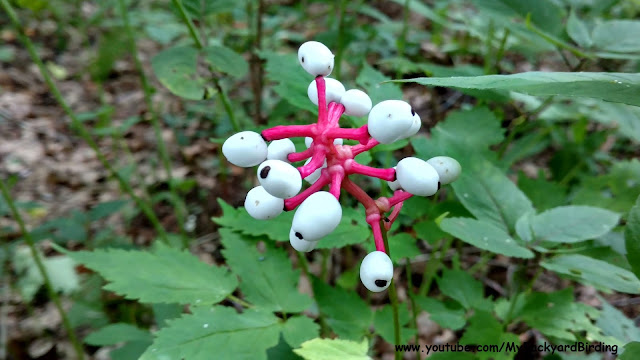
340	163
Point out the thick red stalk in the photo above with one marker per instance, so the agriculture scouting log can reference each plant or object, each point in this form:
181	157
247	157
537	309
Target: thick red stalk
292	203
384	174
360	134
288	131
299	156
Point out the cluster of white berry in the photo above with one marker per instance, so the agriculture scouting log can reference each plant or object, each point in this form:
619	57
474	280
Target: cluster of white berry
329	162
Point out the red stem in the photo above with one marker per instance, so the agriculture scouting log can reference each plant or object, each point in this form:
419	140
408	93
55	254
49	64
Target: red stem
393	216
336	183
398	197
299	156
377	235
292	203
360	134
358	149
355	191
287	131
317	160
384	174
334	118
322	101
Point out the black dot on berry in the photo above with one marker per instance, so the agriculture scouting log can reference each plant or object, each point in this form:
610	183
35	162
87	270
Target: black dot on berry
413	112
439	185
386	219
381	283
303	59
241	137
265	172
299	236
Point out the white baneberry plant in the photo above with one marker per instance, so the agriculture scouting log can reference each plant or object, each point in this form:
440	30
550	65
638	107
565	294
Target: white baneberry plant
329	163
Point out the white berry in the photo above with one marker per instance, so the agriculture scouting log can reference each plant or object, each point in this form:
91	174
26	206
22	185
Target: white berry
279	178
415	127
316	58
245	149
261	205
334	92
299	244
390	120
280	149
309	140
356	103
417	177
376	271
448	168
316	217
394	185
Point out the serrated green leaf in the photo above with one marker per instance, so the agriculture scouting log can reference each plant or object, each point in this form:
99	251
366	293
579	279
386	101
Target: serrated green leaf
299	329
570	224
330	349
558	315
595	272
543	193
217	330
485	236
268	281
463	288
347	233
632	238
614	87
166	275
383	323
484	329
447	317
617	190
226	60
117	333
617	36
350	317
578	31
176	68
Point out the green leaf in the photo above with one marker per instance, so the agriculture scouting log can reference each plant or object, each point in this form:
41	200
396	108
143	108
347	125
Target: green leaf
403	244
113	334
60	269
617	36
371	80
299	329
226	60
166	275
105	209
615	324
614	87
351	229
543	193
558	315
217	330
176	68
570	224
291	80
443	314
130	351
463	288
631	351
595	272
484	329
268	281
632	238
485	236
330	349
491	196
462	132
383	323
617	190
578	31
350	317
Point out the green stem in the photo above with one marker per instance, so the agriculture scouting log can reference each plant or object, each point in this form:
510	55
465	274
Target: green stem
500	53
200	45
402	41
155	122
239	301
393	296
77	124
40	265
431	268
412	299
562	45
324	273
342	7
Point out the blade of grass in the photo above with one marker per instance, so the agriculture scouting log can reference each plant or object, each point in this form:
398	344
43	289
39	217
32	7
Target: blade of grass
53	295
